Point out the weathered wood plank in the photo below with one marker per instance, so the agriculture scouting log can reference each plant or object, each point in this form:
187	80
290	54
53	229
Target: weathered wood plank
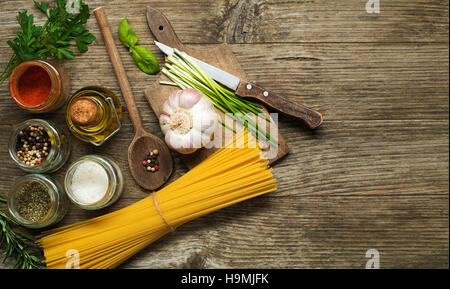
257	21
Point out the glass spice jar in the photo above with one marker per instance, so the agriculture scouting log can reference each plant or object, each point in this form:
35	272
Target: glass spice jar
37	146
93	182
37	201
94	114
39	86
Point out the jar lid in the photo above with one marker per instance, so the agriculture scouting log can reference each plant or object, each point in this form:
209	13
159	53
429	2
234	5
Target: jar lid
84	112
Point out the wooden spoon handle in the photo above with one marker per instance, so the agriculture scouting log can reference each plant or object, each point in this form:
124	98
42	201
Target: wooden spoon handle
118	68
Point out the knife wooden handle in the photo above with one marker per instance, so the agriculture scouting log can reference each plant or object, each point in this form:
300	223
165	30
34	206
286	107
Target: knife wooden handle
311	117
162	29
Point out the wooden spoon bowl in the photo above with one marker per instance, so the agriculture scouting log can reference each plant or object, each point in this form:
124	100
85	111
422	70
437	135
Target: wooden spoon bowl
140	146
143	142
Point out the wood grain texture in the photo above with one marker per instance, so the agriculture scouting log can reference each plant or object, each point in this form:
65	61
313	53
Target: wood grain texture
375	175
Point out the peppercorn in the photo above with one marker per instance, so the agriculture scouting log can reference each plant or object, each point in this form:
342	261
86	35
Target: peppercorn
150	162
32	145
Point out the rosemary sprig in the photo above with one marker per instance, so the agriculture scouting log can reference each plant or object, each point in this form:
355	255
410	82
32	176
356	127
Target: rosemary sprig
17	245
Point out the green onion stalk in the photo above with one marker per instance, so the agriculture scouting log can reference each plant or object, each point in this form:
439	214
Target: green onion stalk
185	73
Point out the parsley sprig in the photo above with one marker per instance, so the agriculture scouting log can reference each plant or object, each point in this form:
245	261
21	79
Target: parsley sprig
17	245
53	39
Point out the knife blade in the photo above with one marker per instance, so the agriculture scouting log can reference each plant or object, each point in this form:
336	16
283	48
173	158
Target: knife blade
225	78
246	89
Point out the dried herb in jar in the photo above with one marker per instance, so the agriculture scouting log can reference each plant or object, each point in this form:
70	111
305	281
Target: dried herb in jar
33	202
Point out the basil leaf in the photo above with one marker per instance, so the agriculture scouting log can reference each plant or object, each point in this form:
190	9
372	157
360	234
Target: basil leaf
126	34
145	59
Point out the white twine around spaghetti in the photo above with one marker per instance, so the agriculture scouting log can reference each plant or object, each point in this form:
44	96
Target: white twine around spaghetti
160	213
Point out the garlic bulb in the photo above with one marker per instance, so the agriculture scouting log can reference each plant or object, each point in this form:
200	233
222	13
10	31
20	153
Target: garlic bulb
188	121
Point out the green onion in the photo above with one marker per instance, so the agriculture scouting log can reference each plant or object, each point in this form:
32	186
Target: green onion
185	73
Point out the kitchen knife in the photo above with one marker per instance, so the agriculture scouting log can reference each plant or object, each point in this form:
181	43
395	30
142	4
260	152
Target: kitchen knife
247	89
164	33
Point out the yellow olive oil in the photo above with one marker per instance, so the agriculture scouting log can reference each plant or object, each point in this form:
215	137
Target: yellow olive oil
94	114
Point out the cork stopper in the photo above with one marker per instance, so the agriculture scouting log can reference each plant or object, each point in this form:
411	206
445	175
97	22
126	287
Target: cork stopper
84	112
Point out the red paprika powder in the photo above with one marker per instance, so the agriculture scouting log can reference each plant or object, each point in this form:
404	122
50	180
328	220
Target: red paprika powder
39	85
34	86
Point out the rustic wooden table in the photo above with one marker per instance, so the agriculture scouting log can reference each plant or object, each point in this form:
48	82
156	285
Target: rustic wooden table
374	176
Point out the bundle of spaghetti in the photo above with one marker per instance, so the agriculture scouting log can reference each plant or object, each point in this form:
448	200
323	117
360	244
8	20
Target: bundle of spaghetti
234	173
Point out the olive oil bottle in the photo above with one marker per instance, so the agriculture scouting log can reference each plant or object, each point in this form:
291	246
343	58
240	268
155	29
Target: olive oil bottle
94	114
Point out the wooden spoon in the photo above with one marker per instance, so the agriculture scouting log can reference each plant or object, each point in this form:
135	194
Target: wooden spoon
143	142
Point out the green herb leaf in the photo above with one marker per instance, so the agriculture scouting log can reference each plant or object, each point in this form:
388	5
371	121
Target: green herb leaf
17	245
142	56
126	34
145	59
83	39
63	51
42	6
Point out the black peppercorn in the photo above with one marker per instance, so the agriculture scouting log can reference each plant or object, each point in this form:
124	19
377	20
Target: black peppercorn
150	162
32	145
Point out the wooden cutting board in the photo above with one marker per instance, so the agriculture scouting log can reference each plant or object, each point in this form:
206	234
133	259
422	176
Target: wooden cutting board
220	56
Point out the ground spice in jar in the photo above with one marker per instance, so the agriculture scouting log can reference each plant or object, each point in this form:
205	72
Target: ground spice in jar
33	202
33	145
150	162
34	86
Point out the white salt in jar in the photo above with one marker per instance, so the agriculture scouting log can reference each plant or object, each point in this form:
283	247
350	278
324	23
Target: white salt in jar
93	182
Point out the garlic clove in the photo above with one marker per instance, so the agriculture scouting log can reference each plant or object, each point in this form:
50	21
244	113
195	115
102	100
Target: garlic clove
202	106
196	138
209	123
189	97
205	122
174	99
167	109
164	122
182	143
206	102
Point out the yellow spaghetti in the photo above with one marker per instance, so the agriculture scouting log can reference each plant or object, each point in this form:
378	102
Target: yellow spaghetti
232	174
